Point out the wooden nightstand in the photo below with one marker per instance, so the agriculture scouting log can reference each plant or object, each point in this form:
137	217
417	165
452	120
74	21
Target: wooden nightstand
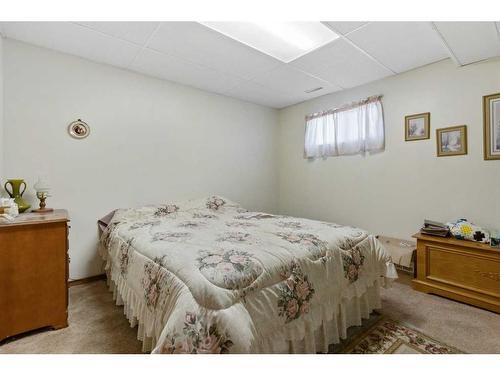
462	270
34	273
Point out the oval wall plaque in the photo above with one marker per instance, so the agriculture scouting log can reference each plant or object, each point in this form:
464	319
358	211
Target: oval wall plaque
79	129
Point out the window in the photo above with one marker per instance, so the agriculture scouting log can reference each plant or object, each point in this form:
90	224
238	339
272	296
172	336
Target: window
353	129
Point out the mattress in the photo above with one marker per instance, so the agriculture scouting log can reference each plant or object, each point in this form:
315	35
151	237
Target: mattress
208	276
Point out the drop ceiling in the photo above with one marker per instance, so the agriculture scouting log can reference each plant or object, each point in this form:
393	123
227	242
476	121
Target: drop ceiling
196	55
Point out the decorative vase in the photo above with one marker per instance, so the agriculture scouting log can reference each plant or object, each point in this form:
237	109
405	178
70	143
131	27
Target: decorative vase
16	193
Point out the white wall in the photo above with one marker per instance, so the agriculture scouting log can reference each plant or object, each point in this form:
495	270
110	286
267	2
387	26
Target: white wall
151	141
391	193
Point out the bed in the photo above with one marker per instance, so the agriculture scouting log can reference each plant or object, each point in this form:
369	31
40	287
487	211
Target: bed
208	276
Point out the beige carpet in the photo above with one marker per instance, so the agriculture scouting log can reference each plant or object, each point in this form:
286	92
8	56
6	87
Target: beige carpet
96	325
467	328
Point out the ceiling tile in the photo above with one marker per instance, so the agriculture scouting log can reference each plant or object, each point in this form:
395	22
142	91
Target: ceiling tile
400	46
471	41
345	27
204	46
73	39
192	54
290	80
342	64
174	69
135	32
255	93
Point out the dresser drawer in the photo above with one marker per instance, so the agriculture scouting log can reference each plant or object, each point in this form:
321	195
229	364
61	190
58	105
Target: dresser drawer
465	269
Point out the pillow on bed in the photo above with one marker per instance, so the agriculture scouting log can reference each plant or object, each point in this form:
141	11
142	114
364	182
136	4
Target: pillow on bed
465	230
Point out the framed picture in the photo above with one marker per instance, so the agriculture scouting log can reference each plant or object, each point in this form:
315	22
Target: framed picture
452	141
417	126
491	113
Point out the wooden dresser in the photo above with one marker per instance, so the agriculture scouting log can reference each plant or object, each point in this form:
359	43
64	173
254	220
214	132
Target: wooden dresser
33	273
465	271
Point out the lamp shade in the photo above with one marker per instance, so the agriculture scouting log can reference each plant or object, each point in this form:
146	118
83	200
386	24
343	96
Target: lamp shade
42	185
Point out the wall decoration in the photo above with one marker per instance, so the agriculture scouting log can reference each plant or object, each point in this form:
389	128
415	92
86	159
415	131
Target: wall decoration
417	126
79	129
491	113
452	141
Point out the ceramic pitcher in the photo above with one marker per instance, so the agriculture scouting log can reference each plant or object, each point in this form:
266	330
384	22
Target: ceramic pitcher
16	193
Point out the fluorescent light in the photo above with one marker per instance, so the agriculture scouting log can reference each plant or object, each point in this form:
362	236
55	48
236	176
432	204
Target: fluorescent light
285	41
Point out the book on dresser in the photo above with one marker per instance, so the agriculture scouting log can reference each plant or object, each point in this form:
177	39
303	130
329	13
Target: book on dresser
435	228
33	272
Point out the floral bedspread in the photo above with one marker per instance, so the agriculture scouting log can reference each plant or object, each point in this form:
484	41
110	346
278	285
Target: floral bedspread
208	276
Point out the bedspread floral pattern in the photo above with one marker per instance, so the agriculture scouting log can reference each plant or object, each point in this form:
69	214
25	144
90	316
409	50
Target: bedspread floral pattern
153	282
233	237
170	236
313	244
352	260
240	224
144	224
290	224
200	215
124	255
256	216
107	234
166	210
214	203
216	259
295	294
198	337
192	224
230	269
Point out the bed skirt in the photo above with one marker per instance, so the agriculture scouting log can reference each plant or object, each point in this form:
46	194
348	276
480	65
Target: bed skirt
314	338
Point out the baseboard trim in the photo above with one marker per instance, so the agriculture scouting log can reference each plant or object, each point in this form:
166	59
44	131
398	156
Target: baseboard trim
86	280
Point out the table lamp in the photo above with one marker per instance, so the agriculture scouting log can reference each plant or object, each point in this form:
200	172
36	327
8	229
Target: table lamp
42	189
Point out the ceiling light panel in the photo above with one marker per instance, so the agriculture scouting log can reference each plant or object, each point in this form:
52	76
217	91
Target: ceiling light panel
203	46
284	41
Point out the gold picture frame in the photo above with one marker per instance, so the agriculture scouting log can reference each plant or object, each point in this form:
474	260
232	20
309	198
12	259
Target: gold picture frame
491	115
417	127
453	144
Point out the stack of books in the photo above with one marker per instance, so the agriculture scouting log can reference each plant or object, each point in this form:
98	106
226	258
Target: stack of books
434	228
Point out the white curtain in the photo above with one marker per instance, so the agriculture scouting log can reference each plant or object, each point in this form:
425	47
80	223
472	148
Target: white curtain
353	129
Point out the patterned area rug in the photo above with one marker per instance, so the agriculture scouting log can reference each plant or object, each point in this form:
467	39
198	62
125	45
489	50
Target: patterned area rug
390	337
